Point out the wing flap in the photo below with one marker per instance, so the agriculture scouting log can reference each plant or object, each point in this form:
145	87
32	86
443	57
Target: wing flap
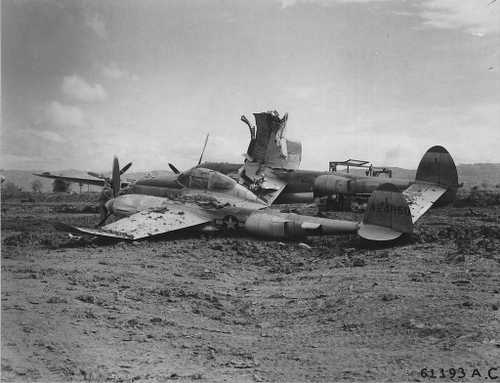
421	196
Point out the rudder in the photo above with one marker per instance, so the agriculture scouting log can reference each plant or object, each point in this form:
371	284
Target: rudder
387	215
437	167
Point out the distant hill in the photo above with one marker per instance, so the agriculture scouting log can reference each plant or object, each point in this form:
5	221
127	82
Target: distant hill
470	174
479	174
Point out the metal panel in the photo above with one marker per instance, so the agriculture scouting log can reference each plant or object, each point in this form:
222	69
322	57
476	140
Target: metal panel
149	223
99	232
420	198
388	208
272	188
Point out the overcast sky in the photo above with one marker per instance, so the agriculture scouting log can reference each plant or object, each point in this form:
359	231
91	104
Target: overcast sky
380	80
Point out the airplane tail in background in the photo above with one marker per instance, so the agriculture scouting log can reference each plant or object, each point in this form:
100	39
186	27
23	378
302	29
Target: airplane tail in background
437	167
269	146
391	213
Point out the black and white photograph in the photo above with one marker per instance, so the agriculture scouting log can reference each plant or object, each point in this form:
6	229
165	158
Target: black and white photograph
250	191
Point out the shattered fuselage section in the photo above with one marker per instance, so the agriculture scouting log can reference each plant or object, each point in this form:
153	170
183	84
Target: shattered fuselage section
268	149
269	145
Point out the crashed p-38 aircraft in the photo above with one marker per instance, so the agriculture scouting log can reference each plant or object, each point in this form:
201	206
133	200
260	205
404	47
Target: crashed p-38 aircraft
206	199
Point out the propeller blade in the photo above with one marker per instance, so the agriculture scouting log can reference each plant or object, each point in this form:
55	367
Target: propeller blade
125	168
115	177
204	147
174	169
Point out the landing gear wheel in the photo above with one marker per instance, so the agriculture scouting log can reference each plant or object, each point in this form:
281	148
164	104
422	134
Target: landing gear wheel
230	223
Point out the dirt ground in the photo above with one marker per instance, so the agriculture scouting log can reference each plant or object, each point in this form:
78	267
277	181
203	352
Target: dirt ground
236	308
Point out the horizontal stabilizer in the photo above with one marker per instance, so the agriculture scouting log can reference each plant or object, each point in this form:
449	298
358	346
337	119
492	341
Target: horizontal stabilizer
387	215
421	197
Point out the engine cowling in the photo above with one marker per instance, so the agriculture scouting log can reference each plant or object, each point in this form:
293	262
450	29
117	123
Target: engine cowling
327	185
272	226
365	185
330	184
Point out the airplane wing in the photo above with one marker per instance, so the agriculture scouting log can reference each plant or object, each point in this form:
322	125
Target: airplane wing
78	180
86	181
421	196
150	223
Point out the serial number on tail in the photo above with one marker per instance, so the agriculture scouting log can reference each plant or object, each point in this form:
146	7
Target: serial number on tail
384	207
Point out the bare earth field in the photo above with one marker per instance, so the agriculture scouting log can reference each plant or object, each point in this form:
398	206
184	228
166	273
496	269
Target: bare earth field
236	308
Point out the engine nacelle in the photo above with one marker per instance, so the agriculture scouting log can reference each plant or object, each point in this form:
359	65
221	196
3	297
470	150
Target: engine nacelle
327	185
272	226
365	185
289	225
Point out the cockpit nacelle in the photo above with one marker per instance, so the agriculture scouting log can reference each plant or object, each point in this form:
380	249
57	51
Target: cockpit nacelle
201	178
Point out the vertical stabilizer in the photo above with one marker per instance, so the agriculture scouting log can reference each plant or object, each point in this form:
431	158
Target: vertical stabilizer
387	215
437	167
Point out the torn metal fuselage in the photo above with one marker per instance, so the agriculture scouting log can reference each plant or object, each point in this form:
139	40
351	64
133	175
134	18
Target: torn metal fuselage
271	169
268	145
